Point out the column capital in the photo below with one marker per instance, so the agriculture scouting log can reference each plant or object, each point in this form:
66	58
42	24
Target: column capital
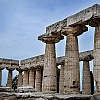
1	66
10	68
19	68
87	58
31	68
50	38
75	30
94	22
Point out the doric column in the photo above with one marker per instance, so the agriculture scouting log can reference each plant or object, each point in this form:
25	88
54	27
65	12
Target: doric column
20	77
9	81
25	77
20	82
97	57
49	84
38	80
86	83
71	67
1	68
0	77
61	81
31	77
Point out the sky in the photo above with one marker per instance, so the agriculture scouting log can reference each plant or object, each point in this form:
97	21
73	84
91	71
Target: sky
22	21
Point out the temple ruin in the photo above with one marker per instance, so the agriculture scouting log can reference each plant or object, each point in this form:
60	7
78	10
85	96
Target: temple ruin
40	72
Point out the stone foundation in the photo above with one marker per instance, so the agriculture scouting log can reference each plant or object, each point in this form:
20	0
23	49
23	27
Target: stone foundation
25	89
6	89
41	96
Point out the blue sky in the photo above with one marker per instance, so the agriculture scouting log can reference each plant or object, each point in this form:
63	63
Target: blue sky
22	21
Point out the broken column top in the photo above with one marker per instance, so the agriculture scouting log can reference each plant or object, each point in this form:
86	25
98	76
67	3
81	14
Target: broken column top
89	16
50	38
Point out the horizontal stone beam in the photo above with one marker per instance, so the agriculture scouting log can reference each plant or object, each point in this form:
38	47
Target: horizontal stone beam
9	61
39	60
84	17
33	59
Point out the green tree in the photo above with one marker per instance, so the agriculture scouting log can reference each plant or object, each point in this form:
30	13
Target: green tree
15	82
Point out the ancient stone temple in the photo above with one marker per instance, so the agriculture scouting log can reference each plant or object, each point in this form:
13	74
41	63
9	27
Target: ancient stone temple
38	75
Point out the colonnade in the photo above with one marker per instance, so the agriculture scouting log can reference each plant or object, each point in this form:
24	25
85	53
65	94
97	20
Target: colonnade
34	74
10	65
31	77
71	28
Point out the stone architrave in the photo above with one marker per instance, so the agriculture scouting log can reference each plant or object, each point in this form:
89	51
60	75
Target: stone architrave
71	67
86	83
61	80
97	58
25	77
49	84
31	77
38	80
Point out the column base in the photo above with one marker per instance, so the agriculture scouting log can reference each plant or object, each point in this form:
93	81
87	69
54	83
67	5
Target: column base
25	89
96	96
6	89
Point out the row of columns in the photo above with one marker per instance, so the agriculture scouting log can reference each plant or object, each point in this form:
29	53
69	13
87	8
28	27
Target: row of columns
86	80
71	66
28	78
9	79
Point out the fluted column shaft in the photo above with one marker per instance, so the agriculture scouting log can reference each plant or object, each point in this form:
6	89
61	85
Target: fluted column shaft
61	81
71	67
49	71
20	79
86	83
31	78
97	58
25	78
38	80
0	77
9	81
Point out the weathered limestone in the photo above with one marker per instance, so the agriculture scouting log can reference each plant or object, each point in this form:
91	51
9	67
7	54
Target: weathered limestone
39	60
49	71
0	77
61	81
38	80
31	77
41	96
20	79
83	17
86	83
71	67
9	81
25	77
97	57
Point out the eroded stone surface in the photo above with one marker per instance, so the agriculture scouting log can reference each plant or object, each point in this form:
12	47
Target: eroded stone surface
83	17
86	83
39	60
97	58
41	96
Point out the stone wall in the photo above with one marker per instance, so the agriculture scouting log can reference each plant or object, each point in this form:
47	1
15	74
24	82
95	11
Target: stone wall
40	96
